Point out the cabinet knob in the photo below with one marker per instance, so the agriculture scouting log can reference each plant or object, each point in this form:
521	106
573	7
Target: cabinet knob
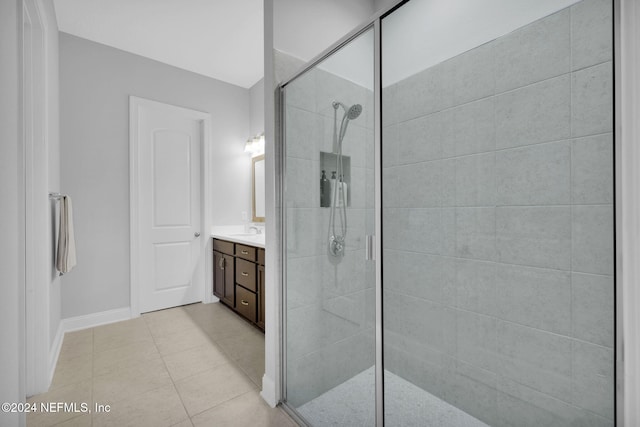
197	234
245	274
243	302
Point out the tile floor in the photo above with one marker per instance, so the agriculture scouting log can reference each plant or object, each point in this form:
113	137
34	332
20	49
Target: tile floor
190	366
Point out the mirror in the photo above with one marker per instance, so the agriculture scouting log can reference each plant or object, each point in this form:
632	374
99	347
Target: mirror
257	190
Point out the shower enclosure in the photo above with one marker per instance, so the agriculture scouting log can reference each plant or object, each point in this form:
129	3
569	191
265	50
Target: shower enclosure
464	276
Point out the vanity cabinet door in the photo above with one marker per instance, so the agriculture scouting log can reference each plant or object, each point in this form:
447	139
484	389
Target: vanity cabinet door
261	296
229	280
223	277
218	274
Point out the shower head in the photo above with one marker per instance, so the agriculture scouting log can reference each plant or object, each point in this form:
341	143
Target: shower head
354	111
351	113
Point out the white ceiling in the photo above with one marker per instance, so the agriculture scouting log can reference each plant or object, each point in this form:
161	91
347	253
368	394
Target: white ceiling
222	39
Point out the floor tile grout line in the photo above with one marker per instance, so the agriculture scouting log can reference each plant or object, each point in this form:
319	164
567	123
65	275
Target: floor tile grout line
221	403
235	362
164	363
244	371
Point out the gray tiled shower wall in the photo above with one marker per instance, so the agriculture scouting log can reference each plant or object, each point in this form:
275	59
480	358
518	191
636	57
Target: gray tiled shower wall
498	225
330	302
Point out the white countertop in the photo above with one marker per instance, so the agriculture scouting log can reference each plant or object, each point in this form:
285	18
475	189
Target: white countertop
239	234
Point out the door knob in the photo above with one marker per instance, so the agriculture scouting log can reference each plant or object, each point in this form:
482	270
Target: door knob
197	234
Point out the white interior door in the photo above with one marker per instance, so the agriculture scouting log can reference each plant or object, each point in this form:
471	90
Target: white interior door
169	200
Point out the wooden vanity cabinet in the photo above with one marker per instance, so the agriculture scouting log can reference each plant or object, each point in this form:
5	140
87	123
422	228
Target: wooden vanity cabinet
238	279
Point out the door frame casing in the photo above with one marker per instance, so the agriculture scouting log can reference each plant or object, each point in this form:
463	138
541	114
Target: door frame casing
206	152
41	357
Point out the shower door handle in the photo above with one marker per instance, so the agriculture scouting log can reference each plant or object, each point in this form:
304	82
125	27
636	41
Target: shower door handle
369	247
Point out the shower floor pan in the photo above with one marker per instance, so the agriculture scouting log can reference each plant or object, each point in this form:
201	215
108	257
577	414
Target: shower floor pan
352	404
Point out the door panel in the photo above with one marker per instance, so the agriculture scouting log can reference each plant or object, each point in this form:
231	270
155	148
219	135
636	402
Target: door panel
171	265
330	279
169	141
171	178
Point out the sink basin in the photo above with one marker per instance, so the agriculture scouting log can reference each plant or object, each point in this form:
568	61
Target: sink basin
245	234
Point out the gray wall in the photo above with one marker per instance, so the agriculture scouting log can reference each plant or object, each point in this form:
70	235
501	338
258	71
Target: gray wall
11	261
498	225
95	84
256	94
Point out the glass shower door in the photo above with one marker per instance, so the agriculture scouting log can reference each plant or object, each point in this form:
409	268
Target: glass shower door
498	214
329	201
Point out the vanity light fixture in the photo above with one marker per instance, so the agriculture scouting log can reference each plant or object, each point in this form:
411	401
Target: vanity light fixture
255	145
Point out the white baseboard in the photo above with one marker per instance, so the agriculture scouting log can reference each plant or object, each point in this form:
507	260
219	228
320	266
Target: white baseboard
268	392
96	319
54	352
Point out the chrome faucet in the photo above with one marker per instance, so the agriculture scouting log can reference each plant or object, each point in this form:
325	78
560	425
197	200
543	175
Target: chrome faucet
258	230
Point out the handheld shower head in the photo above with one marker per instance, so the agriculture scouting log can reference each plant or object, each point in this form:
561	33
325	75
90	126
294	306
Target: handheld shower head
354	112
350	113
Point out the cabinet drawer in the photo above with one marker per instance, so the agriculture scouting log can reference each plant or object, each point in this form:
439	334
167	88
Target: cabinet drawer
246	274
261	256
223	246
246	252
246	304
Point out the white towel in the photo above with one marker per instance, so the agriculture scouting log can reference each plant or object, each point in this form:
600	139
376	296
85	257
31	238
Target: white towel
66	258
